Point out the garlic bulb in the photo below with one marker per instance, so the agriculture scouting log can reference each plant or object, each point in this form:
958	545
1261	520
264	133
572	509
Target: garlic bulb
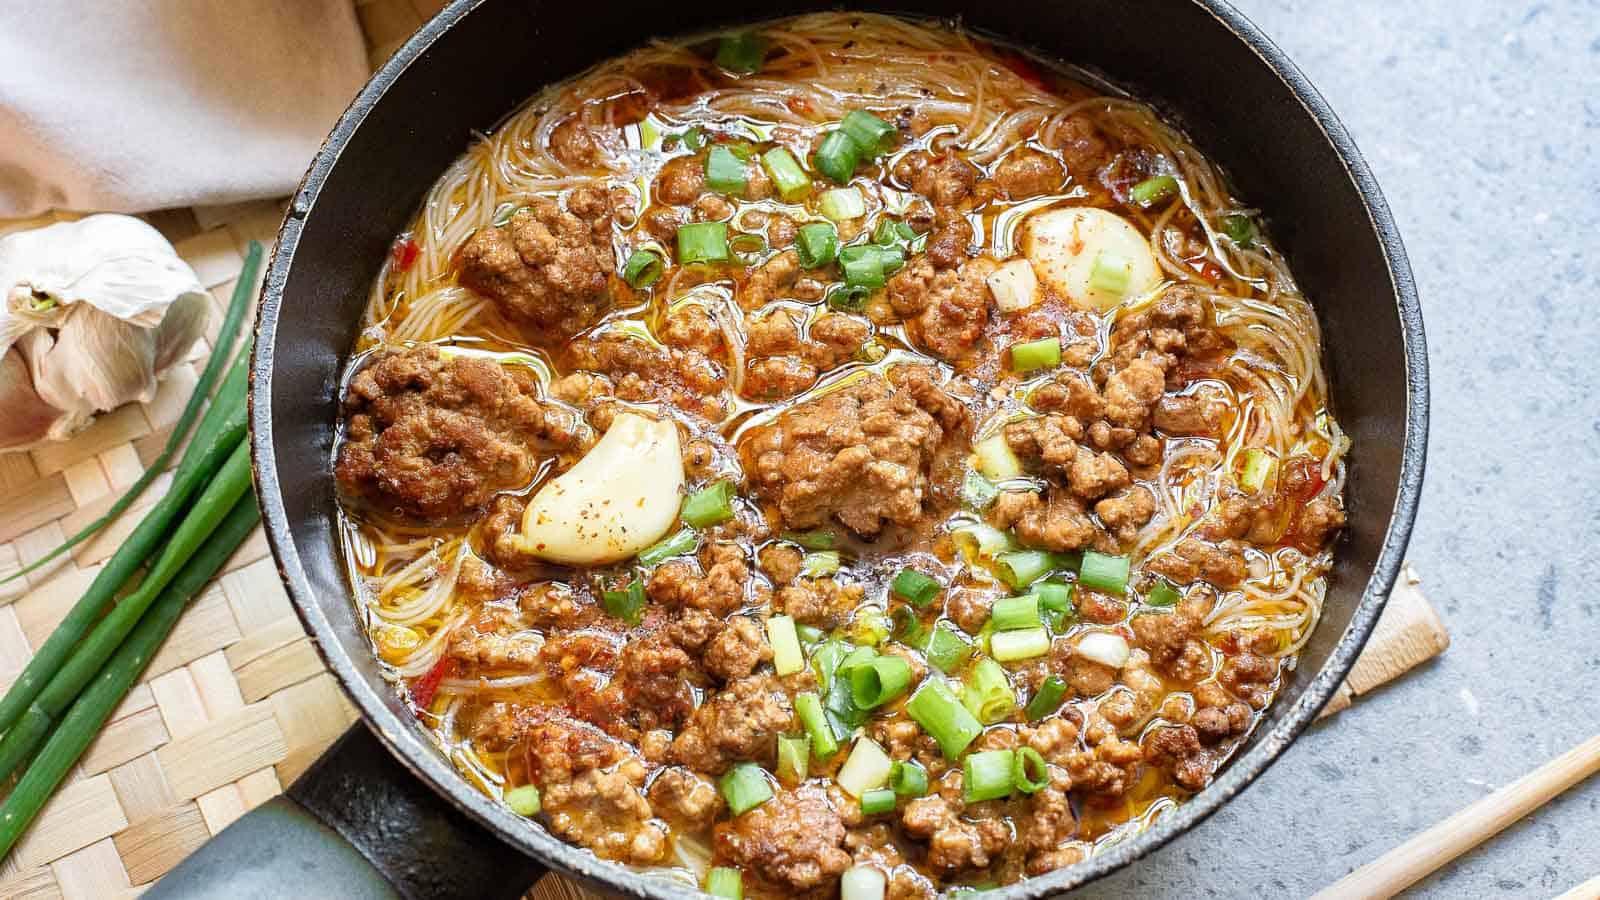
93	312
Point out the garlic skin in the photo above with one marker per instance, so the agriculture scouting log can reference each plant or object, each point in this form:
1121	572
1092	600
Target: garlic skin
94	311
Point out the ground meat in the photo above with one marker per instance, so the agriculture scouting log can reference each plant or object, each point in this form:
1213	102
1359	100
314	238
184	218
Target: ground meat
693	628
559	747
955	841
782	232
822	602
1125	512
720	591
739	723
737	649
1094	475
548	266
795	841
556	606
1173	640
1081	144
1049	441
1087	677
770	280
772	333
435	438
1048	824
653	678
835	339
861	453
1132	393
644	372
518	648
780	562
662	223
692	327
1249	676
1029	173
1318	520
969	607
1057	522
1054	738
946	311
685	799
945	180
1194	559
1200	413
777	377
1172	327
681	181
713	208
607	812
1215	724
948	244
574	143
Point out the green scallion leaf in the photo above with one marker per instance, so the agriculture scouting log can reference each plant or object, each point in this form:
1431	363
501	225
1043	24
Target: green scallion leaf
977	491
816	539
1239	229
808	706
842	204
1104	573
724	882
915	587
883	679
711	505
908	628
1055	603
848	299
524	800
863	267
791	181
1027	643
626	604
1012	613
908	779
988	693
836	157
725	172
1048	698
947	649
642	269
943	717
986	775
703	242
1028	770
743	53
877	801
819	563
1154	190
1110	273
745	787
794	758
873	135
1020	568
1040	354
676	544
1163	594
817	244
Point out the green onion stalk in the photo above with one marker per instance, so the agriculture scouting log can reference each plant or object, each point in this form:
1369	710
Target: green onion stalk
84	718
219	433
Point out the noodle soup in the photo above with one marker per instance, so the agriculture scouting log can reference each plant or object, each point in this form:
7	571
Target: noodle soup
844	455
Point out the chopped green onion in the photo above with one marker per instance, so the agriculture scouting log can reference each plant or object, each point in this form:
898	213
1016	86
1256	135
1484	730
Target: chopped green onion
1163	594
946	650
880	800
711	505
725	882
808	706
862	883
873	135
909	779
842	204
683	541
1012	613
703	242
1040	354
745	150
1110	273
988	693
1010	646
1104	573
747	248
986	776
989	541
1028	770
818	539
860	656
836	157
908	628
1020	568
817	244
826	661
792	182
787	658
880	681
917	589
1048	699
863	267
995	460
642	269
1153	189
1055	603
626	604
977	491
885	233
891	259
693	139
819	563
725	173
1258	468
745	787
524	800
794	758
742	53
1239	229
943	717
810	634
866	769
848	299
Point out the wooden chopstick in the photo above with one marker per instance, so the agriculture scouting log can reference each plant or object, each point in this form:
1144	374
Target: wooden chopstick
1589	890
1412	861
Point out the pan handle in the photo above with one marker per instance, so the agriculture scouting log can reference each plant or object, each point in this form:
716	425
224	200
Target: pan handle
356	825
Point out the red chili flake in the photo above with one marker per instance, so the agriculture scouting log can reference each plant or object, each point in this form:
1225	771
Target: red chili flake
799	105
423	689
404	253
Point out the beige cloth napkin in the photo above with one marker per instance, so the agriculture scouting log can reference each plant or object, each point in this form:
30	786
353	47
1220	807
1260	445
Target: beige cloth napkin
131	105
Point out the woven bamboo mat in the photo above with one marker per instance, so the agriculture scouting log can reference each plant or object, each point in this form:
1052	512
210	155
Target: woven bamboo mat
237	704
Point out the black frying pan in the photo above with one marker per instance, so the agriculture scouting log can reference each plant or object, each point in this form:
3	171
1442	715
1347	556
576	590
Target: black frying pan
383	814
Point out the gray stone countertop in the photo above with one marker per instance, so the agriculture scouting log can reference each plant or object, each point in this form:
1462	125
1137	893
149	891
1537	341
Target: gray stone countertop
1481	121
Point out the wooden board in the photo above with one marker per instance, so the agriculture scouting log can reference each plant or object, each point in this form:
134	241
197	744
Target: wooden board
237	705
